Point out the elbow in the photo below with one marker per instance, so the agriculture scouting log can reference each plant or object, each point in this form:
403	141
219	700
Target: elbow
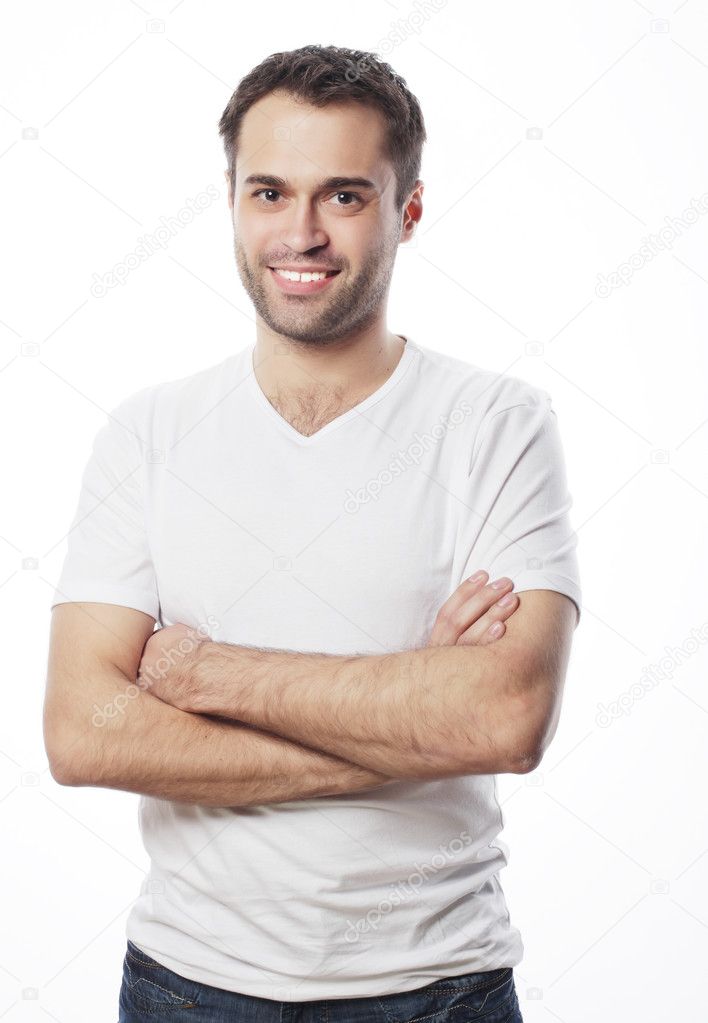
525	762
66	765
61	776
501	754
535	726
63	769
526	753
66	757
506	751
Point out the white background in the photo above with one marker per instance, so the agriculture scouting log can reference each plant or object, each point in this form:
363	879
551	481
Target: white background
561	136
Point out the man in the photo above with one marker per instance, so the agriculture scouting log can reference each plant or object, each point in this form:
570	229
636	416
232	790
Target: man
316	726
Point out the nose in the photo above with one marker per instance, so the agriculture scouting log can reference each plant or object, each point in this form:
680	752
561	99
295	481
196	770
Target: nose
303	229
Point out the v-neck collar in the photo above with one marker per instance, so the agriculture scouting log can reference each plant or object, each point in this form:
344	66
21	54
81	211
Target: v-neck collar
324	431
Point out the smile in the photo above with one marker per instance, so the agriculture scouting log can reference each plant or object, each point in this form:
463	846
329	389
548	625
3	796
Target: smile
292	275
294	283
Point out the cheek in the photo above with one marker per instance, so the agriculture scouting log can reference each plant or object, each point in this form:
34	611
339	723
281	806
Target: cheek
247	226
258	241
352	240
370	235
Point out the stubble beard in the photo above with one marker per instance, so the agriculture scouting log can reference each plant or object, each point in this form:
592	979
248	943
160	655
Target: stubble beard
312	322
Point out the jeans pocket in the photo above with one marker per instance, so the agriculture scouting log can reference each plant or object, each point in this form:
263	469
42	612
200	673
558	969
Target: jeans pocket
489	996
154	988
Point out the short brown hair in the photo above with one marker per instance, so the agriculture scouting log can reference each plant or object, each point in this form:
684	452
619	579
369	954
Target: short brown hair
328	74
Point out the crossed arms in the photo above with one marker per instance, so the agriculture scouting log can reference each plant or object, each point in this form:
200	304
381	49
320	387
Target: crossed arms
234	726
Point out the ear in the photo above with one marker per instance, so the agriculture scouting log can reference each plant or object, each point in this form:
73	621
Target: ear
412	212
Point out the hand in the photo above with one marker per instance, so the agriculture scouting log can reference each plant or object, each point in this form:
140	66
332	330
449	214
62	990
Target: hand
167	664
466	617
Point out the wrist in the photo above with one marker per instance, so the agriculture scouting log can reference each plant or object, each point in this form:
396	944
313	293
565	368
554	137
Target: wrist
201	668
216	679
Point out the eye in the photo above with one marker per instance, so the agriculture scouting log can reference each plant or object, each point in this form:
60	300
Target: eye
351	195
261	191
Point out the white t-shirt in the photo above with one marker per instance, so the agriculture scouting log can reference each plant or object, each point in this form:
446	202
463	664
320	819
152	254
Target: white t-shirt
200	504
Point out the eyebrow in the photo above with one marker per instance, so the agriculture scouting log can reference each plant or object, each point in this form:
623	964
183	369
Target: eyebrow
329	184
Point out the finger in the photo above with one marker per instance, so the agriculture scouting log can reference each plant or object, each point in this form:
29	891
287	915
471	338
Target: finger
467	588
489	637
443	632
455	617
478	634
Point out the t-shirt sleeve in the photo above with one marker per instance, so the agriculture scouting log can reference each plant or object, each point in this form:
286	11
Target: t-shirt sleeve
516	519
108	558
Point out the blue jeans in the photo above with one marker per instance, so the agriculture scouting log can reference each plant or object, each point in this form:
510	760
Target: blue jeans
151	992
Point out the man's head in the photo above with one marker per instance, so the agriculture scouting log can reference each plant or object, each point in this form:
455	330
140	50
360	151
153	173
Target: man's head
297	130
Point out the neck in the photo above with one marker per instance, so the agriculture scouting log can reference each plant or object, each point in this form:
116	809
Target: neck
346	370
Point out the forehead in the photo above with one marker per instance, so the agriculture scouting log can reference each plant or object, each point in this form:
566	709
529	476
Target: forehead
298	141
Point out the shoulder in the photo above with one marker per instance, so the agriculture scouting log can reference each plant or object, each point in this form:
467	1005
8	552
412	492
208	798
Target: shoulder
168	406
486	390
499	410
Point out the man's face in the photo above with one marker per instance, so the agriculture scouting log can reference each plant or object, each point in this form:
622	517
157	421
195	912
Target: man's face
301	223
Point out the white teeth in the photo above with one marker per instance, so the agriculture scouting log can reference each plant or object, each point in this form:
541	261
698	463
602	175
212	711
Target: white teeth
291	275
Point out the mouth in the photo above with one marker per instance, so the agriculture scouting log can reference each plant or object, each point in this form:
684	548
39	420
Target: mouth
294	283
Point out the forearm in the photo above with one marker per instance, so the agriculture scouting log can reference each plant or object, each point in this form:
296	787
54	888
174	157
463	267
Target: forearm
155	749
426	713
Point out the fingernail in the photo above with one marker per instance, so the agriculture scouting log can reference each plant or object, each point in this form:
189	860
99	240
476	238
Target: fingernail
501	583
476	577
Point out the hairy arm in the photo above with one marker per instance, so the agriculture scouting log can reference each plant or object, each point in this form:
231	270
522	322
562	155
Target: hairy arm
100	729
161	751
426	713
